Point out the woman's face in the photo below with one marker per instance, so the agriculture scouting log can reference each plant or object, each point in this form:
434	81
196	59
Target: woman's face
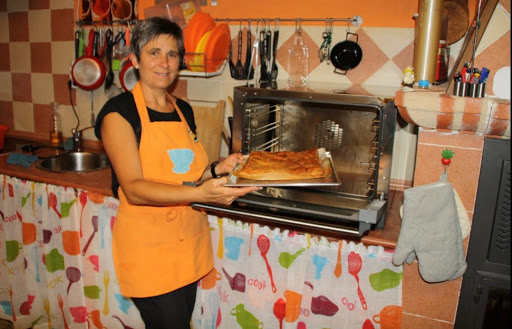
159	62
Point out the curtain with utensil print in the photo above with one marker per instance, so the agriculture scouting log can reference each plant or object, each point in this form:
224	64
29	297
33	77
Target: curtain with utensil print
56	271
56	262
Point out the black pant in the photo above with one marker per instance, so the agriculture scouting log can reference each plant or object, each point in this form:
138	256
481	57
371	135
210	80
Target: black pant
169	311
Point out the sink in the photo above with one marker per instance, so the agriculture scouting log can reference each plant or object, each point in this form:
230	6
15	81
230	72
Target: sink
74	162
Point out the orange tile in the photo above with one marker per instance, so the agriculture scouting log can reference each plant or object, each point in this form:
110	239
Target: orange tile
405	57
430	300
6	114
445	121
470	121
463	172
39	4
472	105
62	25
18	26
506	5
39	54
61	89
502	111
42	114
21	87
498	127
446	103
3	6
494	57
5	61
372	61
450	138
411	321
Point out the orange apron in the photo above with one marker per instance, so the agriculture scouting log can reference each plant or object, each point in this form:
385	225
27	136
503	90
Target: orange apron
160	249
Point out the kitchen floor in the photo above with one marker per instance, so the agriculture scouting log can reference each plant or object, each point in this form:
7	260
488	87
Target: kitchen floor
4	324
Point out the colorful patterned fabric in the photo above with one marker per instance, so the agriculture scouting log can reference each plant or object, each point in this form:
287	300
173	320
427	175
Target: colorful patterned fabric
56	271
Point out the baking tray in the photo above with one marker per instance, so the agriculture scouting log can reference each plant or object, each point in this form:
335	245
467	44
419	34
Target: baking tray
331	180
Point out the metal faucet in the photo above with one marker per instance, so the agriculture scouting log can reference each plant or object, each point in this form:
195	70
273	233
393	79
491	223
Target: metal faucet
78	138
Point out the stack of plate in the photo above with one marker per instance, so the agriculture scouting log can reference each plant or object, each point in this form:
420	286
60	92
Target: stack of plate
206	43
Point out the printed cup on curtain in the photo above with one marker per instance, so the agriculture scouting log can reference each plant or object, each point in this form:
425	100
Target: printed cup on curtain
100	10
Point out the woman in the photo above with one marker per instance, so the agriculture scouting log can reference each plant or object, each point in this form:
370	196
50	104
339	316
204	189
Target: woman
161	246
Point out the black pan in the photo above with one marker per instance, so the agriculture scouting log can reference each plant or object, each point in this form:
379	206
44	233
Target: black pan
346	55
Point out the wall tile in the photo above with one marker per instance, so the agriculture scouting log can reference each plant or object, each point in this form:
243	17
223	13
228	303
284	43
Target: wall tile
21	87
6	113
62	25
17	5
40	52
42	88
42	114
20	57
4	26
61	89
62	56
6	90
18	26
3	5
38	4
61	4
435	301
411	321
39	27
23	116
5	60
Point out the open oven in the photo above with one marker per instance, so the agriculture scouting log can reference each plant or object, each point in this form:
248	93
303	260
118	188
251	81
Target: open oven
356	130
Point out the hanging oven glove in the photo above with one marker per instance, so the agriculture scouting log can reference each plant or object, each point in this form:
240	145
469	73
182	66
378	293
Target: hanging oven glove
431	231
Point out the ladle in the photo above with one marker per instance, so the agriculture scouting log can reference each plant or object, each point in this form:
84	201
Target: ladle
73	274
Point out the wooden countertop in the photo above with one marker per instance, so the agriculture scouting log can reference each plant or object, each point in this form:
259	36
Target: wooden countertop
99	181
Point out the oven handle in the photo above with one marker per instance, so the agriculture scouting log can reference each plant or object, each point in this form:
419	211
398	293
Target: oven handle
248	213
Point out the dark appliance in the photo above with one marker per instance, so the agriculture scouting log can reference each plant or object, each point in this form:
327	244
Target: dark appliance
484	300
356	130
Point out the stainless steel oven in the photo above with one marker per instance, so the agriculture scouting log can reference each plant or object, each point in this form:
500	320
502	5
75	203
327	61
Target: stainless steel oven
357	130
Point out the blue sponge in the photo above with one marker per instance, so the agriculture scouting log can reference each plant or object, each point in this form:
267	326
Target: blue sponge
21	159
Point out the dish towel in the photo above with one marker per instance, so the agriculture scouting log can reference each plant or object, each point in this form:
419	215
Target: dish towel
431	231
21	159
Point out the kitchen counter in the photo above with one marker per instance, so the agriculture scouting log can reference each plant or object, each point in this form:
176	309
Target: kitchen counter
99	181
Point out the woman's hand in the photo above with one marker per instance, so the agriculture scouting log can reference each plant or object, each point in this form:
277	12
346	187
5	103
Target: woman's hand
227	165
214	191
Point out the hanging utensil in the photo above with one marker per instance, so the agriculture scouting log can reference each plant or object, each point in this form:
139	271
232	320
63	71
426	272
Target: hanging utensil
232	66
109	79
325	48
239	65
263	51
275	41
248	70
88	72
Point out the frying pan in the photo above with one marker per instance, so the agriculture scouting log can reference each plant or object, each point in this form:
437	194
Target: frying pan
127	76
346	55
88	71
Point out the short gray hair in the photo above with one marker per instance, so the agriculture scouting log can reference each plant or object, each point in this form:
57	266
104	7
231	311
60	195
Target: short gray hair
150	28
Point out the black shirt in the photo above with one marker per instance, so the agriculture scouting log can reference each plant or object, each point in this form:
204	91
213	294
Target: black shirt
124	104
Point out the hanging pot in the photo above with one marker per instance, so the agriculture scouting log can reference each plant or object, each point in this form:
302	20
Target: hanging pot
127	76
346	55
88	72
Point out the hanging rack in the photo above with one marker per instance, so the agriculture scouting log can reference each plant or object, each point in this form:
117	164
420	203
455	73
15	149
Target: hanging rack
356	20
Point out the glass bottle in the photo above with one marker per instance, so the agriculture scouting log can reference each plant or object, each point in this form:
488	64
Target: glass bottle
298	57
55	126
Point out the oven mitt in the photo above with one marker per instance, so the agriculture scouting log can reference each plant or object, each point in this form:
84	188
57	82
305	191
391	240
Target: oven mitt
431	231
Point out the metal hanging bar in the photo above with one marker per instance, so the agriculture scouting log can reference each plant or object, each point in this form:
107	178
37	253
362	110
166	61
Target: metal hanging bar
356	20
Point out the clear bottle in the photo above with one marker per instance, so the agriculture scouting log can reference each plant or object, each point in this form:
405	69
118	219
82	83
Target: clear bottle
55	126
298	57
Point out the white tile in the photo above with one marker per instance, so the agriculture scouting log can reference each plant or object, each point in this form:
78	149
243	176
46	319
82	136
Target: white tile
391	40
39	26
42	88
62	56
497	27
200	89
388	75
6	90
23	116
20	57
62	4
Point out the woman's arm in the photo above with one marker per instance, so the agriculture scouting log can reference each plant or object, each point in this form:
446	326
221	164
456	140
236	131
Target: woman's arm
121	146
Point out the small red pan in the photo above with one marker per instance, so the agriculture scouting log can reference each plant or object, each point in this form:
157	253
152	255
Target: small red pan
88	72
